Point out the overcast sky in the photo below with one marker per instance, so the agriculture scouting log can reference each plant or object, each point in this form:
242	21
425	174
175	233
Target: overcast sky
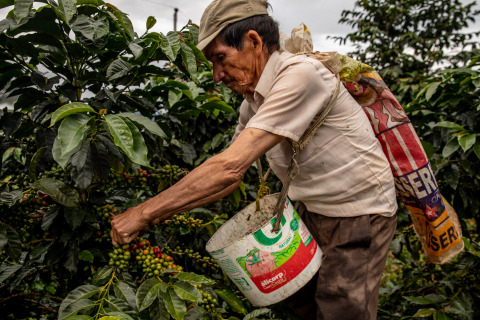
320	16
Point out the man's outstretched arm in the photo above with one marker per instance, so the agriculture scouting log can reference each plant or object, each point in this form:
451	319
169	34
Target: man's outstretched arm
214	179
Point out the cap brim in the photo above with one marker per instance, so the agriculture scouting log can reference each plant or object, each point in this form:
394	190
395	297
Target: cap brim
205	42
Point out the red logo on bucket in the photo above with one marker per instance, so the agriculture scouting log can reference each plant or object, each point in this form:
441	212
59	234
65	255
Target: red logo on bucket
277	278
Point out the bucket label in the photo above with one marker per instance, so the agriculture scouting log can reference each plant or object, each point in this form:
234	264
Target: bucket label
272	270
228	265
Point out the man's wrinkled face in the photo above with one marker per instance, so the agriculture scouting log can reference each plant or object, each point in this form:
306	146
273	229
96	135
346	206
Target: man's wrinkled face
237	69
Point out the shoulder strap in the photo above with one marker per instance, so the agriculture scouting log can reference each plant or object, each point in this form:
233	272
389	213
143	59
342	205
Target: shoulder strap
307	136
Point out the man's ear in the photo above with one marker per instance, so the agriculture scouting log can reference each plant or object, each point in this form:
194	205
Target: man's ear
254	39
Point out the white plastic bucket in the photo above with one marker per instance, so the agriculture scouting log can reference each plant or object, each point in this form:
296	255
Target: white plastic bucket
267	267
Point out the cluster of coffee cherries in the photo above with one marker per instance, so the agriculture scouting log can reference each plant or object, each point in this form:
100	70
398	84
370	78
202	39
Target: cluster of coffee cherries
120	257
28	216
209	303
106	212
182	220
170	174
150	259
207	263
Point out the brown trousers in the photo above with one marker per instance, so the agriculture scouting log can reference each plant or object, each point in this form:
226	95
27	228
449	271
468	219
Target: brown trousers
348	281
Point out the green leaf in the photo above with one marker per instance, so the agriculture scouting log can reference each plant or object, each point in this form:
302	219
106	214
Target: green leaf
71	133
175	306
439	315
82	166
125	292
217	105
118	69
256	313
32	169
136	49
122	136
170	45
144	122
423	313
229	297
57	153
120	315
118	305
198	53
68	8
103	273
432	88
3	236
11	242
187	292
158	311
75	307
193	278
429	148
151	21
189	59
6	3
58	190
467	141
69	305
21	9
7	270
450	148
189	153
449	125
140	150
10	198
48	218
68	109
78	317
174	95
147	293
124	22
427	299
86	255
476	149
91	29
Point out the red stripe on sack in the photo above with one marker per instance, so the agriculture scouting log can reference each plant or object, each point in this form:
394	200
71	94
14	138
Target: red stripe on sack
402	164
415	151
391	160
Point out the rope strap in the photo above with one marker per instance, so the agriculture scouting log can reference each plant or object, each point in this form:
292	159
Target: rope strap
293	169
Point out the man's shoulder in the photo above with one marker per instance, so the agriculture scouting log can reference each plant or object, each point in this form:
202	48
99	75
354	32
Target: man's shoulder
287	59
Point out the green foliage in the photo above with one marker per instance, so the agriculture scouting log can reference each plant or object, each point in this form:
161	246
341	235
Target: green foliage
405	40
413	44
96	119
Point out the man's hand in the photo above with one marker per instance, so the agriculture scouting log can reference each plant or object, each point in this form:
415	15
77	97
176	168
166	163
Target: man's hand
128	225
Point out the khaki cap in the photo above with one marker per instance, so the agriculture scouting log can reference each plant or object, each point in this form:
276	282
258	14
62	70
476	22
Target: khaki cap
220	13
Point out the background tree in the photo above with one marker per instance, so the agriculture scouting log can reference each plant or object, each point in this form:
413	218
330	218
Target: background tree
430	63
405	40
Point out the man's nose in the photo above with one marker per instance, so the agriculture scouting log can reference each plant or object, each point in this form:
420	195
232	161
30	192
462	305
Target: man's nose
218	73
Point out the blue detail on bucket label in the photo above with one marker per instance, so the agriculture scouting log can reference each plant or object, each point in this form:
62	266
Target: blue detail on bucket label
242	283
228	266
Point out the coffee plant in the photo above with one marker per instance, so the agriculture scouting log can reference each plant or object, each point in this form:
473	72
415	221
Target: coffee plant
96	119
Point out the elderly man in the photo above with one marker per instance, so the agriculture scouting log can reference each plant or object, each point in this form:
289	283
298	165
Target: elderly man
344	190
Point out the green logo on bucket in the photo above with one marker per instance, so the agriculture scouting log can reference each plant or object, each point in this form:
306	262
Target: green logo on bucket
294	225
266	241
